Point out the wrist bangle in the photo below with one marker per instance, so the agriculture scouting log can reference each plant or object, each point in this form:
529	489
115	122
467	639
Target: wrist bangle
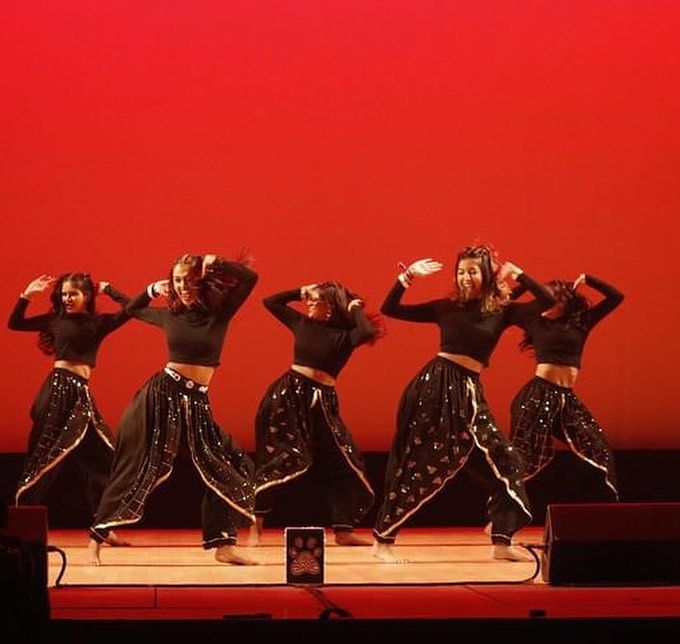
404	279
151	291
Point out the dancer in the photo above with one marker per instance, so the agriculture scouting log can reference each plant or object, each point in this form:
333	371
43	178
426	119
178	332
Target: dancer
547	407
173	408
443	417
66	421
298	423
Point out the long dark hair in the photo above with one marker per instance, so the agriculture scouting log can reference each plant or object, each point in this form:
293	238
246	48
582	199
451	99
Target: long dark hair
338	296
83	282
213	288
495	294
574	308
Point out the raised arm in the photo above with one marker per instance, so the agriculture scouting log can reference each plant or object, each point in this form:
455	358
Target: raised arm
612	296
139	307
113	320
18	320
277	305
544	297
392	306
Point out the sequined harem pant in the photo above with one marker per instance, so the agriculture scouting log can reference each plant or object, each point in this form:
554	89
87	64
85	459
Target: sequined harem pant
299	429
542	411
66	425
167	411
442	417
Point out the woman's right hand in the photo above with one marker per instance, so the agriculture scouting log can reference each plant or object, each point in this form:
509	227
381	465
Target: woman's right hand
581	279
37	286
306	290
161	288
424	267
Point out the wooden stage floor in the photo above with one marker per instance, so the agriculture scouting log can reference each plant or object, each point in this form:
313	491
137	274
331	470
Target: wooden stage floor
166	575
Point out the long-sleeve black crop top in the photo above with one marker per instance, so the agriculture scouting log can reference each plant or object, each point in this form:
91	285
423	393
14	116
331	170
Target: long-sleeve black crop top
196	335
77	336
464	328
555	342
320	345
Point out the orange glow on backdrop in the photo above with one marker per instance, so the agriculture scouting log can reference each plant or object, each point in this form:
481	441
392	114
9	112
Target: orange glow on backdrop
336	139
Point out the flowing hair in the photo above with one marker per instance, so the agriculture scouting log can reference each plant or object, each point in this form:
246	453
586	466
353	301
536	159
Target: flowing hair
83	282
574	309
495	293
338	298
213	288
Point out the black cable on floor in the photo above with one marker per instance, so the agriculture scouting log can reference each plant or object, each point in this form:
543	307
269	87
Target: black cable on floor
62	554
331	610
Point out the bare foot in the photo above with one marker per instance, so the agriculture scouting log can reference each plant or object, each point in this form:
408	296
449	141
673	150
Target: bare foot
255	533
510	553
93	548
350	539
229	555
115	541
385	553
487	529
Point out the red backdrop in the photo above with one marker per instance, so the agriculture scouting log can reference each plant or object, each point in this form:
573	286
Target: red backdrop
335	139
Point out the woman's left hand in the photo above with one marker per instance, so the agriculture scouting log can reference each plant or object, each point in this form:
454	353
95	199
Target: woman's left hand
509	270
581	279
207	261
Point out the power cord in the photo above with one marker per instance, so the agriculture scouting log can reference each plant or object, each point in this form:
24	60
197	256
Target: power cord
62	554
331	610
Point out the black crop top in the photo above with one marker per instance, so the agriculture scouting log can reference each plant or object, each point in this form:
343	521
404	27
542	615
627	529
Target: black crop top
464	329
557	343
77	336
196	335
320	345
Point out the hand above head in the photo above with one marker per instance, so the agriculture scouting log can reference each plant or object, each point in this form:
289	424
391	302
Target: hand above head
161	288
38	285
509	270
581	279
355	303
306	290
424	267
101	286
208	260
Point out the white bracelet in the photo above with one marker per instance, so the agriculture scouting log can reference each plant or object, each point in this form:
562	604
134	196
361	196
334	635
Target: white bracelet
404	279
151	292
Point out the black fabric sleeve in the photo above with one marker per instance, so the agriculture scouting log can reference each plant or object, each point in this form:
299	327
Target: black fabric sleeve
139	308
113	320
277	305
392	307
363	330
541	292
19	322
518	291
612	298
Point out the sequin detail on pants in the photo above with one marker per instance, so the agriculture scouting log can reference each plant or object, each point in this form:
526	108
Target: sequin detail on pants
442	415
293	413
148	441
542	411
61	413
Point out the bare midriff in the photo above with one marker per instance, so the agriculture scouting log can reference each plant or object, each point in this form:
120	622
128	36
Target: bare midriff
561	375
80	369
315	374
196	372
463	361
